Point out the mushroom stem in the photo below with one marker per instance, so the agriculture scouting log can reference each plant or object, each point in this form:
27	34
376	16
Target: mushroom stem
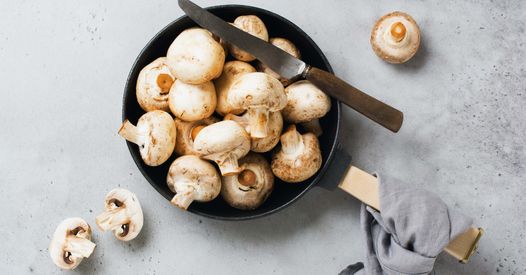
291	141
247	178
184	199
229	165
258	121
112	219
195	131
79	247
131	133
313	126
398	31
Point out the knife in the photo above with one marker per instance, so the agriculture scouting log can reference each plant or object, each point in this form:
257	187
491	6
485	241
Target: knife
292	68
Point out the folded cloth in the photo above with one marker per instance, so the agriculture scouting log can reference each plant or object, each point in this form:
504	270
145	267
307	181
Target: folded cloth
412	229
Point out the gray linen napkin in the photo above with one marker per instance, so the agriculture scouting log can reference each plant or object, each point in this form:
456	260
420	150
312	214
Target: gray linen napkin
412	229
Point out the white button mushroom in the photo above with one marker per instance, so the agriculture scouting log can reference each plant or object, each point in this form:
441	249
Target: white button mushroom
155	135
253	25
224	142
285	45
123	214
186	133
153	85
231	71
191	102
299	157
192	179
71	243
395	37
249	189
195	57
261	145
259	93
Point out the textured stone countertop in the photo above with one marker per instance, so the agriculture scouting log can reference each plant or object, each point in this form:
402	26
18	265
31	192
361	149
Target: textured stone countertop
63	66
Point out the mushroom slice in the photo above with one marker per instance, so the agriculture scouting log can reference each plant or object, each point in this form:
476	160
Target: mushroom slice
254	26
305	102
153	85
231	71
186	133
192	179
250	188
288	47
191	102
195	57
259	94
299	157
261	145
155	135
395	37
223	142
123	214
71	243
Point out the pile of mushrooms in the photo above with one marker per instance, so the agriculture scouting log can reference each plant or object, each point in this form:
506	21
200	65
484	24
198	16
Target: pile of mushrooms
216	115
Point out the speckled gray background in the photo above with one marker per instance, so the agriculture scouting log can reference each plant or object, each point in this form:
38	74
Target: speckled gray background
63	66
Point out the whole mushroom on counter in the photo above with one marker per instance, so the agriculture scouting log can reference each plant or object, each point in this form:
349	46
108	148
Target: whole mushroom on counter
191	102
186	133
123	214
231	71
261	145
253	25
153	85
71	243
285	45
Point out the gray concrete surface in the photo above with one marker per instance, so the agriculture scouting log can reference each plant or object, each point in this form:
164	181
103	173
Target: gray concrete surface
63	66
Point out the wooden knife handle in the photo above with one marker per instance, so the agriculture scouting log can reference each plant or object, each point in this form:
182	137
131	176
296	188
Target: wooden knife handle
363	103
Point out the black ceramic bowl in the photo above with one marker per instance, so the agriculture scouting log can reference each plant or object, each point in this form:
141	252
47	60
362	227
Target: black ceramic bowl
284	193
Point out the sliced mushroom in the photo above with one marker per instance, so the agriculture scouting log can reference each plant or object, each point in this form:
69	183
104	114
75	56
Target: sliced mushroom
223	142
191	102
261	145
195	57
71	243
260	94
395	37
231	71
123	214
299	157
305	102
186	133
153	85
250	188
154	134
192	179
253	25
287	46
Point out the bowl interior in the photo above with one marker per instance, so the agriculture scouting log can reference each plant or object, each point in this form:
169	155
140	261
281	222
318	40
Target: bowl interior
284	193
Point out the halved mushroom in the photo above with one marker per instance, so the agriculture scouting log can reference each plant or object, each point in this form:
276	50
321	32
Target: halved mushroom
250	188
395	37
192	179
154	134
305	102
71	243
261	145
260	94
195	57
123	214
253	25
223	142
285	45
231	71
191	102
153	85
299	157
186	133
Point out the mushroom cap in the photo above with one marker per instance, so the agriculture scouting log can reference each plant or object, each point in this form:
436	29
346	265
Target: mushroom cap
123	214
184	143
395	37
254	26
190	174
305	102
153	85
191	102
299	157
257	90
261	145
243	197
288	47
195	57
231	71
71	243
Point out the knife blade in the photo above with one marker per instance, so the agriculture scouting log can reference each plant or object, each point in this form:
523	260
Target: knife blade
291	68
